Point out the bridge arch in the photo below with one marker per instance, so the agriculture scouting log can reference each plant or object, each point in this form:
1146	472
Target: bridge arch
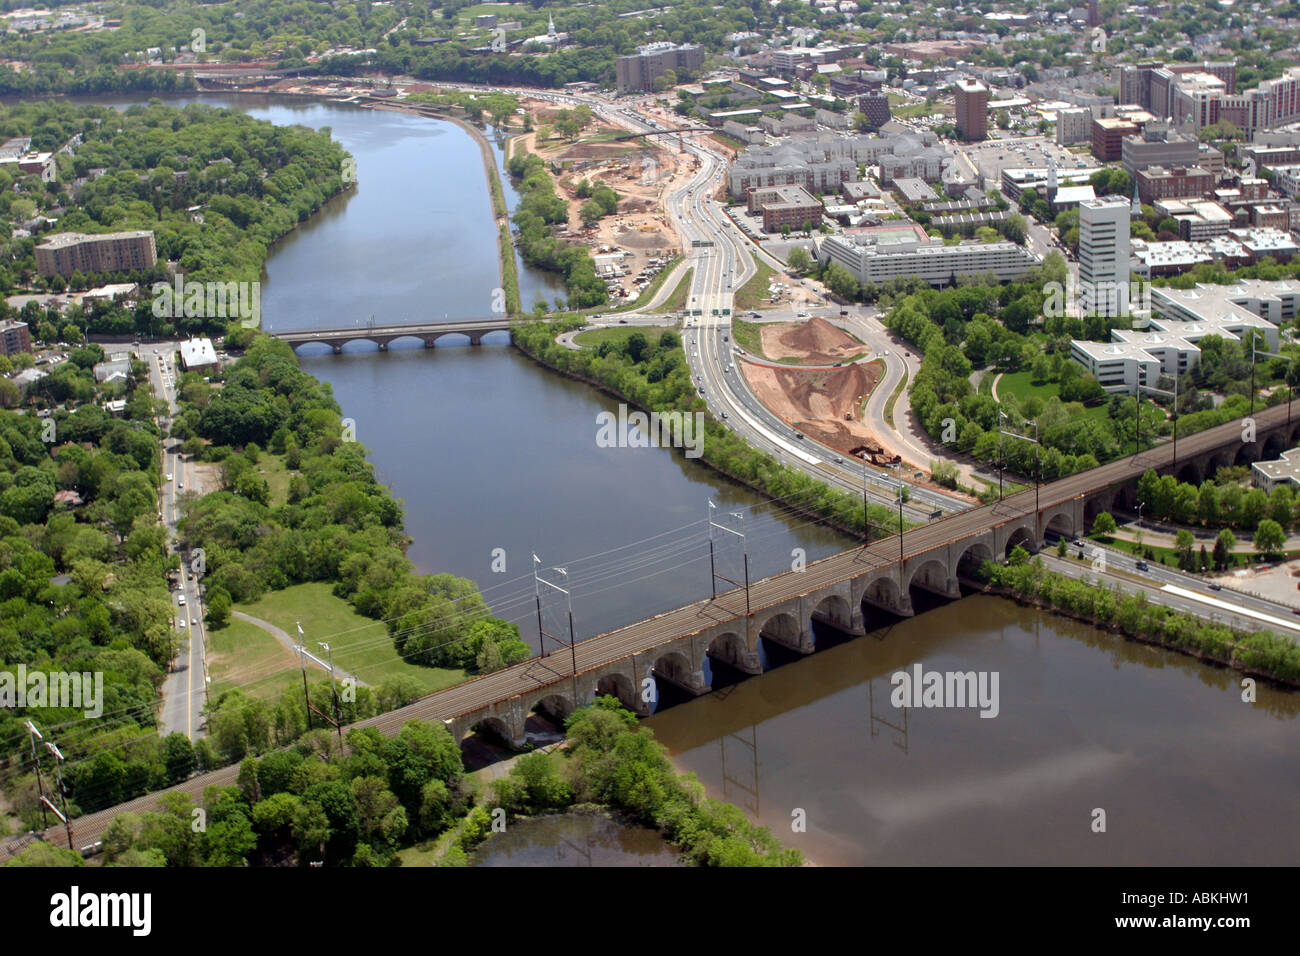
674	668
1060	523
496	729
1021	536
836	611
1191	473
929	575
787	630
619	685
1248	452
974	555
1274	445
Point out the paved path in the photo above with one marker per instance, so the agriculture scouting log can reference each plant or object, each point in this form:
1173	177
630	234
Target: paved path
283	637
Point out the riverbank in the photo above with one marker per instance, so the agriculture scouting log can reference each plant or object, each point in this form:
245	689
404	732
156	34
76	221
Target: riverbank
806	496
508	269
1261	654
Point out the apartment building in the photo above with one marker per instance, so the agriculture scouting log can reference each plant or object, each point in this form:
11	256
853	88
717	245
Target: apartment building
70	252
972	109
14	337
637	72
783	206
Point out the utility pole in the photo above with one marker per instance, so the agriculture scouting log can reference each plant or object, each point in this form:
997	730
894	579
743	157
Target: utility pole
1002	416
744	545
63	797
338	709
34	736
1037	464
866	520
538	580
302	664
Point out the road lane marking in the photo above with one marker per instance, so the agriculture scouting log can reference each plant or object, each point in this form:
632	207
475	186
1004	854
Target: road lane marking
1233	608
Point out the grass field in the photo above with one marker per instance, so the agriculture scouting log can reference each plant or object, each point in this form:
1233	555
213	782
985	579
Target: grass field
593	337
748	336
753	294
271	467
246	656
360	645
677	301
1019	385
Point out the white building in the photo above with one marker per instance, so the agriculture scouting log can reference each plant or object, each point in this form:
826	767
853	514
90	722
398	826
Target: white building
938	264
1274	301
1269	474
1073	125
1103	255
197	353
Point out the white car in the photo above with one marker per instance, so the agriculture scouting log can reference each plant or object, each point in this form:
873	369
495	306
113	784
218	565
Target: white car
180	600
169	477
194	621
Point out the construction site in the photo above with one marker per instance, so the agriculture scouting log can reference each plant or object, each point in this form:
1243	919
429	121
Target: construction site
635	243
823	400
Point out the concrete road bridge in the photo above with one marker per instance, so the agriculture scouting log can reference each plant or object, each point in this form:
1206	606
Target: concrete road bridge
383	336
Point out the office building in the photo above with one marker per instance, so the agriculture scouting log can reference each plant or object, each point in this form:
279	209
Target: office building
1103	255
875	259
1073	125
1156	183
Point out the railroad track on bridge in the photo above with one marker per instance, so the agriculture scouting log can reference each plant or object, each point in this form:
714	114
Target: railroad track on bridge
553	671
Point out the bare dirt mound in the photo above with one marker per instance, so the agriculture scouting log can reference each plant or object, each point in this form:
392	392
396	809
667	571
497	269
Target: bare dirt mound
823	404
815	342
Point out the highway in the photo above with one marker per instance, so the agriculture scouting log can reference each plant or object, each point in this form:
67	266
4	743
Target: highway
530	679
184	691
719	269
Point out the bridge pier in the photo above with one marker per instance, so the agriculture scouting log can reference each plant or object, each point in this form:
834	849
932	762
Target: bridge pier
428	341
383	346
338	348
475	340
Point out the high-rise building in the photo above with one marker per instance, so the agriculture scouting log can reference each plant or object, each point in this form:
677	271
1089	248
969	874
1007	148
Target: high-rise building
972	110
14	337
1103	255
638	72
70	252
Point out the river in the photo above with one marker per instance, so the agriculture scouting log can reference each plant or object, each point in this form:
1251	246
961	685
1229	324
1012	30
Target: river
488	452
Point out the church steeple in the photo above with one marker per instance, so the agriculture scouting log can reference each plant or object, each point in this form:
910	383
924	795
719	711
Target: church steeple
550	24
1136	210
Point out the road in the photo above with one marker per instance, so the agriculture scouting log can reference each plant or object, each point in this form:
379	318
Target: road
184	691
719	268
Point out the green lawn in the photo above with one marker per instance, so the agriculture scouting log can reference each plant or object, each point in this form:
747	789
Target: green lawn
360	645
271	467
753	294
593	337
1019	385
677	301
246	656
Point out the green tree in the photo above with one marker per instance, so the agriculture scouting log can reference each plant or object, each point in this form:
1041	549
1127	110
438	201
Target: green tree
1104	525
1269	537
